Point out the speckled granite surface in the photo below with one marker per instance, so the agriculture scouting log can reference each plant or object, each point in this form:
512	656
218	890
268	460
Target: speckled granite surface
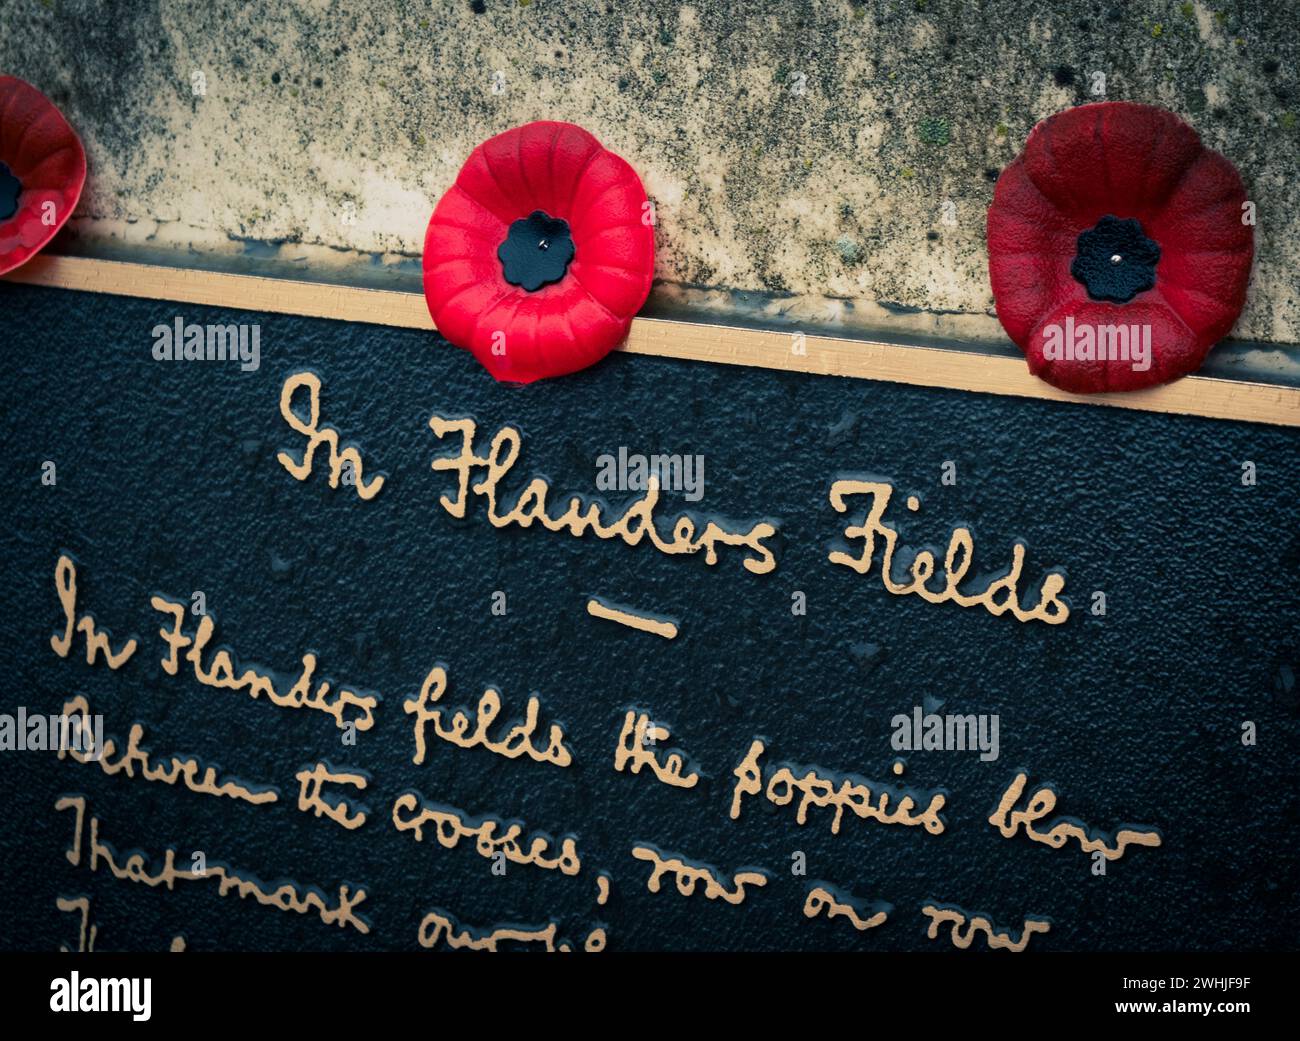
802	151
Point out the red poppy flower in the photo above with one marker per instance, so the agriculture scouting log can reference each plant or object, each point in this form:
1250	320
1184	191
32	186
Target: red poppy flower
42	170
539	255
1118	248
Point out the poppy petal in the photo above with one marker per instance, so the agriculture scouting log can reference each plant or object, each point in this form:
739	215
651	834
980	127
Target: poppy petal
609	193
44	153
1147	151
1172	346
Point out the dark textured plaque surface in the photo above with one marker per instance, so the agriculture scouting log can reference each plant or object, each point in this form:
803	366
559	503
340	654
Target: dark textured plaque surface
168	482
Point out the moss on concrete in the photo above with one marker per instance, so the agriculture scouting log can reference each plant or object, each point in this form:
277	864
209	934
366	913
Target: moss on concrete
791	148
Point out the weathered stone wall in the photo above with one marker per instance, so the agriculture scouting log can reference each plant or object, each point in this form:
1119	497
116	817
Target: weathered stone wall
803	151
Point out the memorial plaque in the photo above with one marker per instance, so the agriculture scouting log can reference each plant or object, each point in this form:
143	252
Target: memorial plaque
648	478
417	683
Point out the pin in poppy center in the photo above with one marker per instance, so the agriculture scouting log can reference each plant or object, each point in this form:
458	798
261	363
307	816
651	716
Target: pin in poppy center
1114	260
537	251
10	188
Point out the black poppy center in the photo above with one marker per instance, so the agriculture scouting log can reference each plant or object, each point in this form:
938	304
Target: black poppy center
1114	260
10	187
537	251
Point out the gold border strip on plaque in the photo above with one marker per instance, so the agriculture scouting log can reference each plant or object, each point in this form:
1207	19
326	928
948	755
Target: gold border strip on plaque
724	344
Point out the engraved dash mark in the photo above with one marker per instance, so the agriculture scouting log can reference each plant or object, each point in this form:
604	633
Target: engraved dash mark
668	630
